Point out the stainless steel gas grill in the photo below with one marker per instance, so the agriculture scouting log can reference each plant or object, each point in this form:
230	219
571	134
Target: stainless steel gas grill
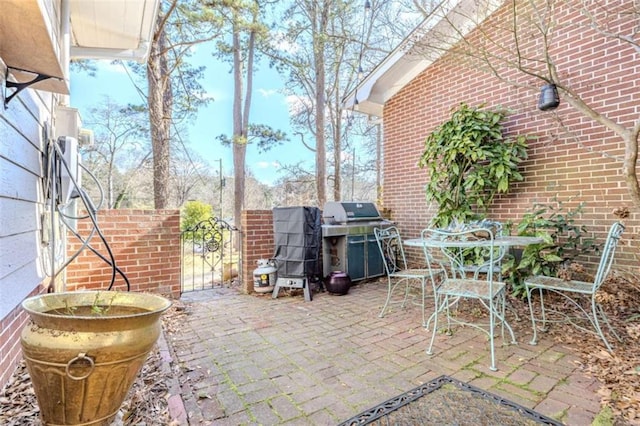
348	241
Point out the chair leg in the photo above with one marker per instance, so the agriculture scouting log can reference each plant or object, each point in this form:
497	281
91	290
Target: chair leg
427	326
386	303
448	310
435	327
425	322
596	324
534	339
424	296
604	319
438	310
435	302
543	314
492	324
502	317
503	320
407	286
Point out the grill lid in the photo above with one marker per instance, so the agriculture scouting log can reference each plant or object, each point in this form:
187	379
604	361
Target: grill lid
339	212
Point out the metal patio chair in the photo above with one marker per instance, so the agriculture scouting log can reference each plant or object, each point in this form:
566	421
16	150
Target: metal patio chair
482	286
398	272
573	291
497	230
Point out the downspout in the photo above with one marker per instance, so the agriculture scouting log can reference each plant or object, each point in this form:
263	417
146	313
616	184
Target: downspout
65	44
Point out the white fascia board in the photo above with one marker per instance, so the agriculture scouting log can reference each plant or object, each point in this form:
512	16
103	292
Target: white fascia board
138	55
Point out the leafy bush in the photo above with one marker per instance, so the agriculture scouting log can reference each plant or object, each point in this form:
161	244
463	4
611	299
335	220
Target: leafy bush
469	162
194	212
564	242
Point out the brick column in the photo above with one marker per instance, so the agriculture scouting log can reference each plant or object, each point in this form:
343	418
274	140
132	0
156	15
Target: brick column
257	243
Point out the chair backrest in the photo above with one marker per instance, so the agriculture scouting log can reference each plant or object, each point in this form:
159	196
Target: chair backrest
608	251
460	247
434	259
390	245
495	226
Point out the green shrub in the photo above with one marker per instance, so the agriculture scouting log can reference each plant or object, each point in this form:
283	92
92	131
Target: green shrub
194	212
470	161
563	242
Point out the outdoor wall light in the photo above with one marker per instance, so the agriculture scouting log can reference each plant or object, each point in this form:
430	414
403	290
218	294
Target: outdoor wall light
549	98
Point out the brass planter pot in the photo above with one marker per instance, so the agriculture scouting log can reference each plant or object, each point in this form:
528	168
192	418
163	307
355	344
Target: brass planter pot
83	351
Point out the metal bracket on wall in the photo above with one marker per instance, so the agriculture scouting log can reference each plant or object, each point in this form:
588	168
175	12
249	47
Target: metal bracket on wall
21	86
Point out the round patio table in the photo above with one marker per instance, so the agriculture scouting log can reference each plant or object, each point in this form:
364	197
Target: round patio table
502	241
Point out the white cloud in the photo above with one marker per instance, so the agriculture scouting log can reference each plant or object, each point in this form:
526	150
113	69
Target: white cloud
297	104
279	42
217	95
267	93
267	164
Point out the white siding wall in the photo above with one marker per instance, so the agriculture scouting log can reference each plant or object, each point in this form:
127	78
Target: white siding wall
24	127
22	143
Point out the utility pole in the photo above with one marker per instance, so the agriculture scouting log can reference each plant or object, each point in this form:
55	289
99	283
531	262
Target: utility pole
353	174
378	124
221	185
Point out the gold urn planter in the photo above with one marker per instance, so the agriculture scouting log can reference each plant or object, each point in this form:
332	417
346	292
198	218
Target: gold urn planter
83	351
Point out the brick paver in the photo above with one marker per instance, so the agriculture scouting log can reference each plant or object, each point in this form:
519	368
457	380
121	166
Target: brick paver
247	359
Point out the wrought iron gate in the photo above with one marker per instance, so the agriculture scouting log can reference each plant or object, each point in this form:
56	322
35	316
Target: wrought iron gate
210	257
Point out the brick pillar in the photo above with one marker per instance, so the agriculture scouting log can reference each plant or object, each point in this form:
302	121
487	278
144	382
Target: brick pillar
257	243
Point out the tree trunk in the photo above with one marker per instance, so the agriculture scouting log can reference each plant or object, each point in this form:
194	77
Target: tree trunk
320	19
110	183
628	135
629	167
160	105
337	152
239	140
241	110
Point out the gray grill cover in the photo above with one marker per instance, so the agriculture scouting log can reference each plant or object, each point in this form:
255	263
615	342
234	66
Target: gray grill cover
297	233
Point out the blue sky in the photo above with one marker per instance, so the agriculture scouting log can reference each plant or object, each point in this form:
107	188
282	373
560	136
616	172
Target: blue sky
269	106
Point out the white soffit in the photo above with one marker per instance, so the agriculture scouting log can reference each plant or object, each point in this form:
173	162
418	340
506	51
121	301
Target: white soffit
27	42
446	25
112	29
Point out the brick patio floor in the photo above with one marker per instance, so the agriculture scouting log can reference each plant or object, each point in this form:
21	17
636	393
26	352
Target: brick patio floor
247	359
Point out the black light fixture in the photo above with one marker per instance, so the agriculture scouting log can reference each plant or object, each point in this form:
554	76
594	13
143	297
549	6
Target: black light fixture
549	97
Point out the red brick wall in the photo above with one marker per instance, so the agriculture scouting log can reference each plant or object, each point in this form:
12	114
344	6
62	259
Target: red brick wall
582	165
10	350
146	247
257	243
